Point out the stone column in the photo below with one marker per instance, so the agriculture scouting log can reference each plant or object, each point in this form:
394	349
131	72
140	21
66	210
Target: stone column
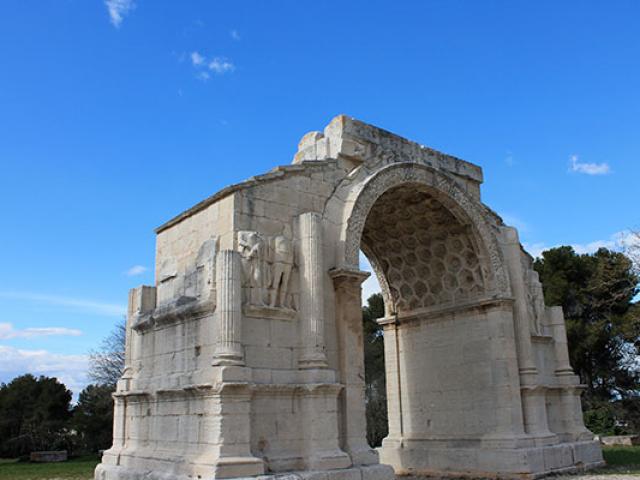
569	396
534	408
228	313
348	293
535	415
571	408
505	375
511	250
312	291
560	347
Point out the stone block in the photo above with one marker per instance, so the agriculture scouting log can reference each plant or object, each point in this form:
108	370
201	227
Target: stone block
48	456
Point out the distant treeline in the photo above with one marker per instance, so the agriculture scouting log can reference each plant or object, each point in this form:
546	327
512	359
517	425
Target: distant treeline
36	414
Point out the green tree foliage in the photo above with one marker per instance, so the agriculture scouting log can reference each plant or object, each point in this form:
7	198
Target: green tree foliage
376	396
93	418
33	415
603	328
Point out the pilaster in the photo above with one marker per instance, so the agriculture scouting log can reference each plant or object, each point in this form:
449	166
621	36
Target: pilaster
228	313
348	291
312	291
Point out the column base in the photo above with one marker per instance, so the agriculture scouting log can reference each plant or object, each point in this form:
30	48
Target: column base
362	454
423	457
331	460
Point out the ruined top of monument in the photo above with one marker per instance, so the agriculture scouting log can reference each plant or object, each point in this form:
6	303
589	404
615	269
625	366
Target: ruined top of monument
351	143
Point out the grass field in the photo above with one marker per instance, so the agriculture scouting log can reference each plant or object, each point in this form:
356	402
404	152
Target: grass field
80	468
620	461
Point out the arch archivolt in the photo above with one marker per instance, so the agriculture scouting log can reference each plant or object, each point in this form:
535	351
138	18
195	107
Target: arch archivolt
428	241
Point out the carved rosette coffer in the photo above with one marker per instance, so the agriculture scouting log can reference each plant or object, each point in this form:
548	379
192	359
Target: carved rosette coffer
228	313
312	291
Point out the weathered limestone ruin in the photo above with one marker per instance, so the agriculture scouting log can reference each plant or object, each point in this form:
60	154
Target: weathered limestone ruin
246	357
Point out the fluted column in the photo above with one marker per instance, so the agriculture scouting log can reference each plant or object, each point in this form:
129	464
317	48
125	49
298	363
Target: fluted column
533	395
228	349
511	249
312	291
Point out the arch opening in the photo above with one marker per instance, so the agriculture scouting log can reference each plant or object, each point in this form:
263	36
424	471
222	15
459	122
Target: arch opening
423	254
425	258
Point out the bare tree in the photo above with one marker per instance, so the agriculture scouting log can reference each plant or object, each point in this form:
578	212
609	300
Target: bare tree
106	364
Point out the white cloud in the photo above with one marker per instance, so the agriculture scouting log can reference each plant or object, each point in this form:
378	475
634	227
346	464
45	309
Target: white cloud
535	249
7	332
617	241
118	9
135	270
234	35
220	66
197	59
89	306
207	66
588	168
69	369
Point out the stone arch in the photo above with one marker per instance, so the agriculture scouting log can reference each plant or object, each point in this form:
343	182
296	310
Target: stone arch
446	200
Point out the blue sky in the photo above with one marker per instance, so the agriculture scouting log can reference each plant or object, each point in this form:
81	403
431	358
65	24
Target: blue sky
117	115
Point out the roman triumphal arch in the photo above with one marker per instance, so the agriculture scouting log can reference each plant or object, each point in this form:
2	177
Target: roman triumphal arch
245	358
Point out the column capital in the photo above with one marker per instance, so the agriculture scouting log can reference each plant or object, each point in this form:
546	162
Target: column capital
348	274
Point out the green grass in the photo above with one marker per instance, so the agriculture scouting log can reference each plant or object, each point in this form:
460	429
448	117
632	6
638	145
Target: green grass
621	460
80	468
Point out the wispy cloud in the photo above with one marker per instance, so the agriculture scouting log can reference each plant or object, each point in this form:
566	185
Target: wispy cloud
197	59
234	35
7	332
617	241
135	270
207	66
89	306
69	369
118	9
220	66
587	168
509	160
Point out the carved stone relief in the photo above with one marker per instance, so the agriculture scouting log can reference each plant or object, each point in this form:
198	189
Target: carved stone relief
268	266
536	305
195	281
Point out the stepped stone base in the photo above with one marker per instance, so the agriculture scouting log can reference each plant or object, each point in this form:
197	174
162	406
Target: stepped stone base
369	472
521	463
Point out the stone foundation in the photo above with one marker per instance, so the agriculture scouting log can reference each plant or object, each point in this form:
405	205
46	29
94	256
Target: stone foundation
419	458
104	471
